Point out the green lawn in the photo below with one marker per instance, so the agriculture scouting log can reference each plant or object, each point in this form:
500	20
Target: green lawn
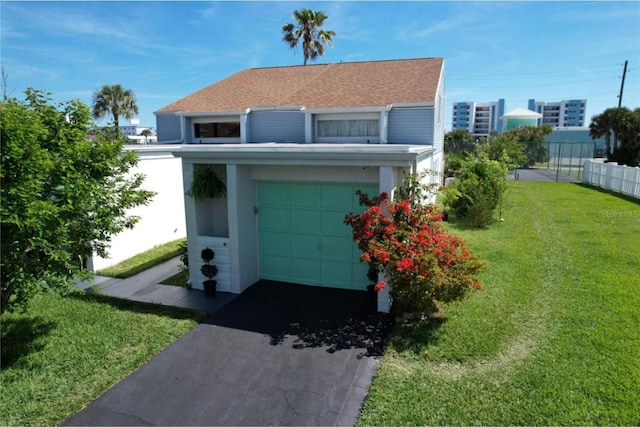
553	339
144	260
179	279
68	350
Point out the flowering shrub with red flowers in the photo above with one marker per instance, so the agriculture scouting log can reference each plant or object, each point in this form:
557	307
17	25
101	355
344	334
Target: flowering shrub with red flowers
405	239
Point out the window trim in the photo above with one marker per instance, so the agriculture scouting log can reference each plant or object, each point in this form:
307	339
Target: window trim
346	117
216	140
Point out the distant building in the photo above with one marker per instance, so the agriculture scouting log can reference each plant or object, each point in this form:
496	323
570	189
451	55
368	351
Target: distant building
520	117
479	119
568	113
134	133
134	130
576	135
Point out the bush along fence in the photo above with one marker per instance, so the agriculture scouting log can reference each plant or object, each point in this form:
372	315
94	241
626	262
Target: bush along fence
611	176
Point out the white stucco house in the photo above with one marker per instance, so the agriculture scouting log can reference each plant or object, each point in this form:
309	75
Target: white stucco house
293	145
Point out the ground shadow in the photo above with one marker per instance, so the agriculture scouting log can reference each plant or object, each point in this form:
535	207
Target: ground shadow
22	336
622	196
308	316
178	313
416	336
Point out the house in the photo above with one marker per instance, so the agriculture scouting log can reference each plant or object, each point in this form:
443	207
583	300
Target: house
293	145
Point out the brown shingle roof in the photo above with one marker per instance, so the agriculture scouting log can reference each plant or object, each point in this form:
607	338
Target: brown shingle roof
346	85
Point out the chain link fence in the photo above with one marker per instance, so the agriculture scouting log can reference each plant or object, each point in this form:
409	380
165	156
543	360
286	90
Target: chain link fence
563	158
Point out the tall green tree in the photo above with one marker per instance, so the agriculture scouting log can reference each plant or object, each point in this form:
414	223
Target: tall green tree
457	141
623	126
116	101
532	139
63	196
307	30
505	149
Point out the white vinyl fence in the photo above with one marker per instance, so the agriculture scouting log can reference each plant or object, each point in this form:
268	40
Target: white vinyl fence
611	176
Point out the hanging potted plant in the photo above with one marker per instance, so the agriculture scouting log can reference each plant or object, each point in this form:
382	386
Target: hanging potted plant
209	271
207	184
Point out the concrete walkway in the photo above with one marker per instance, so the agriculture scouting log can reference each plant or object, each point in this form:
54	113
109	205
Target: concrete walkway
145	287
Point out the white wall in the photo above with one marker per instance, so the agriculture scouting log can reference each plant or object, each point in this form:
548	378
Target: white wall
163	219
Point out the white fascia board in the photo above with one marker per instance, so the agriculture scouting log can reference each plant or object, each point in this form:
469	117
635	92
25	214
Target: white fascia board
428	104
305	154
159	151
210	113
345	110
277	108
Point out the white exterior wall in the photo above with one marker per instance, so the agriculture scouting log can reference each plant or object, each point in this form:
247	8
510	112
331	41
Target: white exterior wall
248	164
162	220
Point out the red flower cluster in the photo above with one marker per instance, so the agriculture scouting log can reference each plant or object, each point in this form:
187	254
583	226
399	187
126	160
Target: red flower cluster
405	240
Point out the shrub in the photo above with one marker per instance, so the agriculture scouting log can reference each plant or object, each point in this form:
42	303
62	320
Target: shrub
481	184
405	240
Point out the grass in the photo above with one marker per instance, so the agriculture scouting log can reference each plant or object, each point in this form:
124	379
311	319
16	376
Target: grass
144	260
68	350
553	339
179	279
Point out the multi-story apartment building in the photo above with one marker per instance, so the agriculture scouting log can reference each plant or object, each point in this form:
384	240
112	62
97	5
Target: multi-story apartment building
567	113
134	130
479	119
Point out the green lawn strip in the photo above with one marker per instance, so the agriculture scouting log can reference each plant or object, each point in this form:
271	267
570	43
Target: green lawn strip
144	260
553	339
179	279
66	351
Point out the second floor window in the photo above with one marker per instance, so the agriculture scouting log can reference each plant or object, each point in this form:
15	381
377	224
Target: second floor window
342	128
217	130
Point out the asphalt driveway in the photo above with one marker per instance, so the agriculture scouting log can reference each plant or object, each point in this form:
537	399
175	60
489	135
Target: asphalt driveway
279	354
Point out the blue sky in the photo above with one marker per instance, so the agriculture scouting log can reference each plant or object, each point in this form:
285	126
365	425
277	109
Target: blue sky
164	51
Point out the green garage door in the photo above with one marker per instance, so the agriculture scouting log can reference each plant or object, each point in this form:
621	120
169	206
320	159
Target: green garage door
303	238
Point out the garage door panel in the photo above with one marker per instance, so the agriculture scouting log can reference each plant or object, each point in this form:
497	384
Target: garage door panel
304	220
305	195
336	197
359	273
275	243
305	246
274	193
274	218
335	247
275	268
305	271
333	223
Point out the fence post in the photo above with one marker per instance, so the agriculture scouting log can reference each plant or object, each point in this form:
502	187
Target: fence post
608	177
587	171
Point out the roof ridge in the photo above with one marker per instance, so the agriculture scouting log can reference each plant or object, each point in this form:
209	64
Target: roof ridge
306	83
325	64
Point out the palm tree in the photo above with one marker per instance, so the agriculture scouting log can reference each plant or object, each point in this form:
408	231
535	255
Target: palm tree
610	121
146	133
114	100
601	126
308	30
